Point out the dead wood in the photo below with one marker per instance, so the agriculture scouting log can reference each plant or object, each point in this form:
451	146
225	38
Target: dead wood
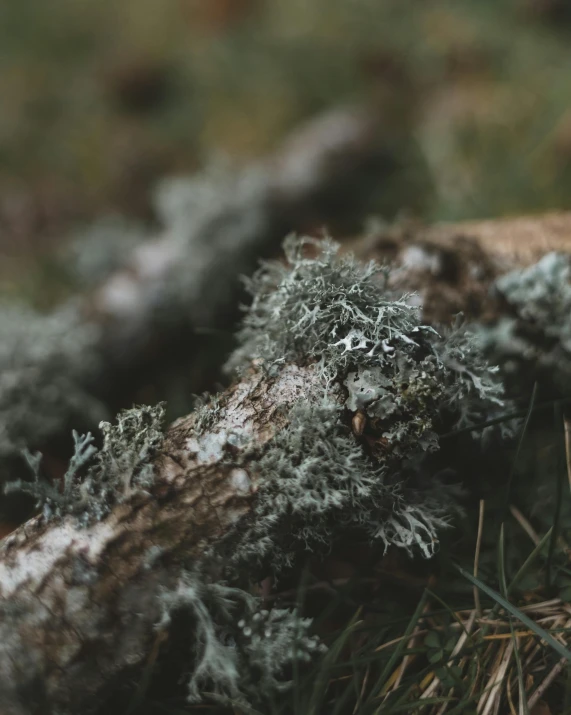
452	266
79	606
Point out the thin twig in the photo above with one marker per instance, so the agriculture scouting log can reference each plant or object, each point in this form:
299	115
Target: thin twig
548	680
567	426
545	683
498	676
524	523
477	601
510	698
444	706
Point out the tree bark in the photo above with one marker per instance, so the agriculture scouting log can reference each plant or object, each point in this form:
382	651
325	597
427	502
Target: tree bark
452	266
79	606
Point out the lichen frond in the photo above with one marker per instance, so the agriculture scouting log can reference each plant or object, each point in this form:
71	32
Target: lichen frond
125	463
329	308
83	451
316	481
53	500
374	357
533	344
337	312
475	389
122	466
129	446
237	649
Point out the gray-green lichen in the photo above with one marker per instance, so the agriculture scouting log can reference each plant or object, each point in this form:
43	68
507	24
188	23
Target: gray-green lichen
55	501
316	481
334	310
474	388
533	342
97	479
46	362
238	650
401	377
102	248
330	308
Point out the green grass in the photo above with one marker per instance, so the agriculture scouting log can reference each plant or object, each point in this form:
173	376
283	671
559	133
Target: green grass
484	86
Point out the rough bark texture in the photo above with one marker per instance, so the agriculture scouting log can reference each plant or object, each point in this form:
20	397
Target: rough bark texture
452	266
79	606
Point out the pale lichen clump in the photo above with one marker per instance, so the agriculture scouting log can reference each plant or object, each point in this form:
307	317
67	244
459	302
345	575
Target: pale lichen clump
96	480
239	651
317	482
45	364
532	342
333	310
329	308
474	388
376	359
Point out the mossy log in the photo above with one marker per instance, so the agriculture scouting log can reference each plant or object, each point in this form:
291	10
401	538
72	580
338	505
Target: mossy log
325	433
80	605
342	385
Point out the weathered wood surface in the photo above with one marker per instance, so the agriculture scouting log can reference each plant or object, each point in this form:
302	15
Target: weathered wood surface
452	266
79	606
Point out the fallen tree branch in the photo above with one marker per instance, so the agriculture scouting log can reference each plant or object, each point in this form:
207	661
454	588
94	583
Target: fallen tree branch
153	328
233	493
80	605
453	266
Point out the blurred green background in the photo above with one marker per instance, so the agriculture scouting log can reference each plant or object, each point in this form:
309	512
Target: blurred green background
100	98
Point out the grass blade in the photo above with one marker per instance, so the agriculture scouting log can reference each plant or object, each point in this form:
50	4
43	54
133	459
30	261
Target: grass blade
504	589
321	681
559	476
400	647
519	448
527	564
510	608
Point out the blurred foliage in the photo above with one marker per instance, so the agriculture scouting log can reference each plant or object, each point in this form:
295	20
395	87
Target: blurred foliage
100	97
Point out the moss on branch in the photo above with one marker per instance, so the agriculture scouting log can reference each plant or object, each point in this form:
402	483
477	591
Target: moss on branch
372	386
